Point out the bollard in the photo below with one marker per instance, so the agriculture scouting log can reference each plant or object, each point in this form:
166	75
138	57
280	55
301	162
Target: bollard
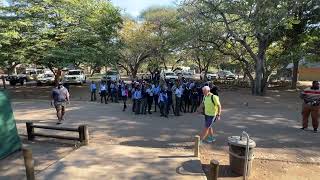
214	170
30	131
29	164
196	146
84	134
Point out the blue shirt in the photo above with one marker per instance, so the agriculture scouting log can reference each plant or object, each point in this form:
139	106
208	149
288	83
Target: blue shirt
156	90
137	94
93	87
178	93
163	97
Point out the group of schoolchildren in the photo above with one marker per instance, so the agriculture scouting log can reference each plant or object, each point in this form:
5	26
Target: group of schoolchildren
171	96
110	90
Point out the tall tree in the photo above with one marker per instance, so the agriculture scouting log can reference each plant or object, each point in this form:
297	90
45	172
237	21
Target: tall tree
254	25
139	44
164	22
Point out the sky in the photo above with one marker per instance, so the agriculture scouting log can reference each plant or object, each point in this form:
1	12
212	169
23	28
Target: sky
135	7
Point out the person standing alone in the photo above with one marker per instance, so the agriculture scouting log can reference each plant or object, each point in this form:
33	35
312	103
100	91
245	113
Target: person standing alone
212	111
311	105
60	97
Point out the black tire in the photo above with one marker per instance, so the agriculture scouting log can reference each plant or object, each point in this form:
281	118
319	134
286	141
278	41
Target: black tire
13	82
22	81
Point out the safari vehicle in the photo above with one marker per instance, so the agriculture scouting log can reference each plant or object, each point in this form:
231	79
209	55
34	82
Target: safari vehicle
46	79
17	79
210	76
76	76
169	75
111	75
227	75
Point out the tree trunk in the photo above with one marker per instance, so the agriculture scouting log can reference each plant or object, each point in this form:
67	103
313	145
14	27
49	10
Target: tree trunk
134	72
295	74
57	76
259	84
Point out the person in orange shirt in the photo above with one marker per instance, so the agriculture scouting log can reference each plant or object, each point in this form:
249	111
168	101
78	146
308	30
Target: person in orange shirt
311	105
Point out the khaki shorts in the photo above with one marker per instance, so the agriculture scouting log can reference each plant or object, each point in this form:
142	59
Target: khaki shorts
60	105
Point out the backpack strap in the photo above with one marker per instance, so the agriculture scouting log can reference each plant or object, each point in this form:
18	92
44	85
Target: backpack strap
212	100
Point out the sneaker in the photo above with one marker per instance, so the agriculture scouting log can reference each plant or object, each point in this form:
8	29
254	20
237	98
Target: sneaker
59	122
315	130
211	139
302	128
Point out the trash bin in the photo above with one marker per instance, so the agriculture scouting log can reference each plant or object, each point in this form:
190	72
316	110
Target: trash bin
237	151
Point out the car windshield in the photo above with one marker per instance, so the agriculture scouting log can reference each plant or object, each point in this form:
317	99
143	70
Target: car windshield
111	73
170	74
74	73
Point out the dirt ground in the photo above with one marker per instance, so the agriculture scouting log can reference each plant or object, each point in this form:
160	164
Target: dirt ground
283	151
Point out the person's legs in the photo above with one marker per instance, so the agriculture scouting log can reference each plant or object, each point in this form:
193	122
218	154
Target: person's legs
207	129
177	112
138	104
305	115
94	96
204	134
124	103
161	104
165	109
116	97
91	95
150	99
58	110
105	99
315	118
133	105
142	107
155	102
63	111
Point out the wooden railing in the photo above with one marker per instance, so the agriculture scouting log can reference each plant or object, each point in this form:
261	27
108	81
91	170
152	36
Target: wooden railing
82	130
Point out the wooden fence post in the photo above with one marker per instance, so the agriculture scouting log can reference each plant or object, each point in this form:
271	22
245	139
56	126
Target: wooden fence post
214	170
3	82
196	146
30	131
84	134
28	163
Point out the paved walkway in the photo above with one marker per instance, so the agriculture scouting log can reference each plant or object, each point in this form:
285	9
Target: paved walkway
123	162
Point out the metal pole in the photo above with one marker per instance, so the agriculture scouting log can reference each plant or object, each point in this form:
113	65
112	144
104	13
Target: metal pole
196	146
245	170
29	164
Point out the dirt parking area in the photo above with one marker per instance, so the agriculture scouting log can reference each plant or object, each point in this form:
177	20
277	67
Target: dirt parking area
283	151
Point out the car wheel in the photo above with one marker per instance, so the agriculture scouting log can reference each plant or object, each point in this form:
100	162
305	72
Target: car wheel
13	83
22	82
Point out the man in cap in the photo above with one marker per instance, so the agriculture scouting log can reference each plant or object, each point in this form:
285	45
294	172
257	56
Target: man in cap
59	98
